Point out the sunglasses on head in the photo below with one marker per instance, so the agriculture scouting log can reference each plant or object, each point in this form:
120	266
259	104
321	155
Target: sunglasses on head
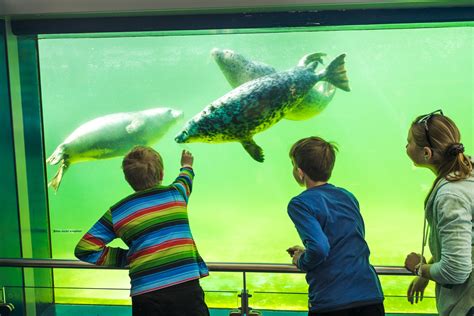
424	120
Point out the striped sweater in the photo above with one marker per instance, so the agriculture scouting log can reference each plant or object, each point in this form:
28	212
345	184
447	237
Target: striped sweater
154	225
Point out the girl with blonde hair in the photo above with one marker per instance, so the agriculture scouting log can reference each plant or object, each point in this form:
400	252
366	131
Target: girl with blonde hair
434	142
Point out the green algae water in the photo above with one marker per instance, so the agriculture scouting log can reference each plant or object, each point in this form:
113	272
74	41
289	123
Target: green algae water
238	206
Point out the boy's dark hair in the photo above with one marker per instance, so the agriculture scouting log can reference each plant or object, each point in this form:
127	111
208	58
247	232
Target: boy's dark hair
315	157
143	168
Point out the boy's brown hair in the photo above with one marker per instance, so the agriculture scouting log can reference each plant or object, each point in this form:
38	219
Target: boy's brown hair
143	168
315	157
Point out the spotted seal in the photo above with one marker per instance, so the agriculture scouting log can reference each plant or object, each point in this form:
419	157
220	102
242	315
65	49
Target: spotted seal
111	136
260	103
238	69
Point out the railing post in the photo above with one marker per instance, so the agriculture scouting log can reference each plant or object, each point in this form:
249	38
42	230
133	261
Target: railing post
244	297
5	309
244	309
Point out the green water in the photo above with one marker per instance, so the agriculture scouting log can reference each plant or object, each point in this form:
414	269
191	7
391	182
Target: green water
238	206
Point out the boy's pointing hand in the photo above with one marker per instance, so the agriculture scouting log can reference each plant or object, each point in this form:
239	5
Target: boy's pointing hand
187	159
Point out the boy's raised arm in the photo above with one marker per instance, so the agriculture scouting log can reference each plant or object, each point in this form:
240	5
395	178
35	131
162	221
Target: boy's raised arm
184	181
92	247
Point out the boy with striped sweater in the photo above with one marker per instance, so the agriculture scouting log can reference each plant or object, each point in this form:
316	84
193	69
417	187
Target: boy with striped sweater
165	266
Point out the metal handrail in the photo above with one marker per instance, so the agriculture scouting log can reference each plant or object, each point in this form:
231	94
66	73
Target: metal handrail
244	308
213	266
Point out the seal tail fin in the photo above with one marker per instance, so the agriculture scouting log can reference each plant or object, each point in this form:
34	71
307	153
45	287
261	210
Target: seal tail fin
56	181
336	73
253	149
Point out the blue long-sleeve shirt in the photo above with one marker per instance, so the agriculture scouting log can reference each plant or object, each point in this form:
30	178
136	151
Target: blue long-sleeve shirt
336	260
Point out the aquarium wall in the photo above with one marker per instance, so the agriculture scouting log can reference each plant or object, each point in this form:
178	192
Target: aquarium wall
10	224
25	217
238	206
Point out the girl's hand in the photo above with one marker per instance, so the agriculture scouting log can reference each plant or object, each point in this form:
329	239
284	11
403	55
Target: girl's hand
187	159
412	260
417	289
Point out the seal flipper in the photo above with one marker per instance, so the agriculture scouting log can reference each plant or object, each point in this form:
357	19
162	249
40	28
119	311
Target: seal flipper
311	60
136	124
56	181
253	149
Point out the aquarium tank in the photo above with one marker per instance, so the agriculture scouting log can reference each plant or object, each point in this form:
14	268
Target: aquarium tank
238	207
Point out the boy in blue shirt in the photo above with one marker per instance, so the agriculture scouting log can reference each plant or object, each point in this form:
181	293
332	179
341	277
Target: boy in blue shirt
335	256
